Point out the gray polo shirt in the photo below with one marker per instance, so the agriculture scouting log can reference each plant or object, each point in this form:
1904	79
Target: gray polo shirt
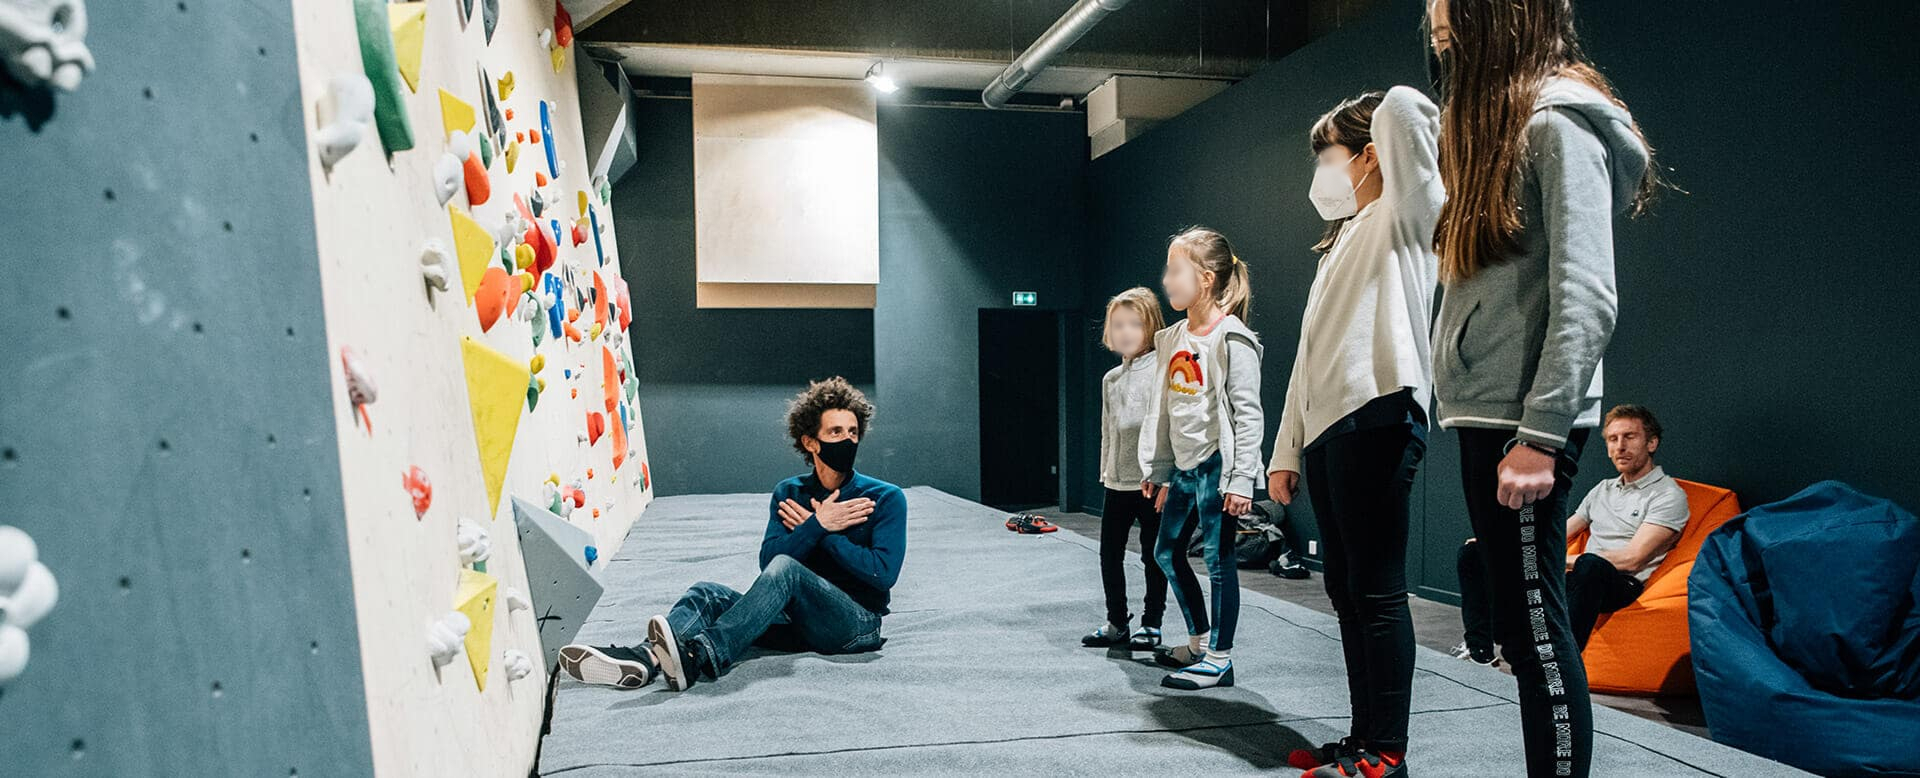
1615	510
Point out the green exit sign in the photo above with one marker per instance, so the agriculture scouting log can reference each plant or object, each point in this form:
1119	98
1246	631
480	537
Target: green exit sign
1026	298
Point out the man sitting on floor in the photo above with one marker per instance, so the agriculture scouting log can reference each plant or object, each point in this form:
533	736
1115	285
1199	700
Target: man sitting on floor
832	552
1633	521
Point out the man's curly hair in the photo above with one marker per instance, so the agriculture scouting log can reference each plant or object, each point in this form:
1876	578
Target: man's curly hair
803	413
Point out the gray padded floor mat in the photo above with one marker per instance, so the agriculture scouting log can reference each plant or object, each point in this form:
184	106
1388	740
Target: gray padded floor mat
983	674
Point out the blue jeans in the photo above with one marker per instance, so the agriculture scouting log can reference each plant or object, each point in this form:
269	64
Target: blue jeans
1194	503
714	623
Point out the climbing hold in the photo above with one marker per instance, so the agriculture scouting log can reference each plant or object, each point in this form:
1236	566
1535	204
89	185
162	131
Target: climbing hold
537	363
546	129
589	473
513	152
472	540
553	304
496	124
592	554
534	135
596	426
473	246
486	151
419	488
28	591
455	114
562	25
360	388
534	387
604	188
509	114
544	248
433	264
579	232
478	188
537	202
596	513
593	219
490	16
516	664
546	38
409	21
539	179
496	387
373	24
646	478
343	113
447	175
520	137
446	635
44	42
515	599
580	198
506	86
474	599
491	298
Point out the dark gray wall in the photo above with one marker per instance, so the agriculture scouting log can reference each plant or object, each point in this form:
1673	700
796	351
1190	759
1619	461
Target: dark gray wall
166	434
973	205
1765	314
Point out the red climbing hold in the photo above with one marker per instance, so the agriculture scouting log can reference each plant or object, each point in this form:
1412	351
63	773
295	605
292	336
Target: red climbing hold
596	426
562	25
419	488
491	298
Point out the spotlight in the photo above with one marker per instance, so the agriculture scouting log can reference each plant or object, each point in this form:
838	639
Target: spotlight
880	81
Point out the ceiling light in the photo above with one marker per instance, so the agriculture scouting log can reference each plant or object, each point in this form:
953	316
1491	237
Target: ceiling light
880	81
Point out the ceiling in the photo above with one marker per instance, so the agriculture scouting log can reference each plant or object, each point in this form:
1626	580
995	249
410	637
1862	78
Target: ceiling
948	45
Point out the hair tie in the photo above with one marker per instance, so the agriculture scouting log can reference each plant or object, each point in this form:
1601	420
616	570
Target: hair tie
1236	259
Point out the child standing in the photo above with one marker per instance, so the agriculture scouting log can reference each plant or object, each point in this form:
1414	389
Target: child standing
1125	397
1201	448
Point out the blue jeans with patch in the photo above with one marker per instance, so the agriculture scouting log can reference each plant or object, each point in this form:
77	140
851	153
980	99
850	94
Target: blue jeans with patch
1195	504
787	607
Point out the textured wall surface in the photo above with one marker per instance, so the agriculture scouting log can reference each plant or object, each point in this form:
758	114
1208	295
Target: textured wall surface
168	435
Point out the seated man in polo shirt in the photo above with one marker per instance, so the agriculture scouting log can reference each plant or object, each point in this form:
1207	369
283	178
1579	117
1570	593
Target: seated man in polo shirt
1633	521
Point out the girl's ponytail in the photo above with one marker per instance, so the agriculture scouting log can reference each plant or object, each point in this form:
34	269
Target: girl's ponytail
1211	252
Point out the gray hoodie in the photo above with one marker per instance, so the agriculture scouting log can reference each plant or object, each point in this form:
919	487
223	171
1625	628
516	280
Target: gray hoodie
1518	345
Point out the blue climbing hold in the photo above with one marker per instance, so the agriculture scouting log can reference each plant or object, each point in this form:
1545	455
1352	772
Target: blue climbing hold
593	220
555	313
546	138
592	554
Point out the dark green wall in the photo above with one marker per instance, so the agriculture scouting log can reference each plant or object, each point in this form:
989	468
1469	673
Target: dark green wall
1765	314
973	205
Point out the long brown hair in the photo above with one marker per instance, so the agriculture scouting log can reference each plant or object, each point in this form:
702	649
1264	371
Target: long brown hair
1349	125
1503	51
1210	251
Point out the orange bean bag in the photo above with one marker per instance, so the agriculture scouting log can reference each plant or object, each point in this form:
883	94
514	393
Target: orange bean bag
1642	649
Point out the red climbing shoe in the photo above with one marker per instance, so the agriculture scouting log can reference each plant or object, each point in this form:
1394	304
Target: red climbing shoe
1029	524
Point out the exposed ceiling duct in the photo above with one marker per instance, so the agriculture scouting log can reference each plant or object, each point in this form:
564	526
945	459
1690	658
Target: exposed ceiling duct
1062	35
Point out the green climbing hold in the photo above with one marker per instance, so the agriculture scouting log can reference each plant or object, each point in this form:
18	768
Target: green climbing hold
486	151
375	27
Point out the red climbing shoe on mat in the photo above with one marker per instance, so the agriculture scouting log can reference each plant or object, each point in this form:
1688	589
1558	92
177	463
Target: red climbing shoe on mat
1309	758
1029	524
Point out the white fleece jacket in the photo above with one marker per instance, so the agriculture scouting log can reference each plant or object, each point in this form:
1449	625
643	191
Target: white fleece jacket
1233	384
1364	334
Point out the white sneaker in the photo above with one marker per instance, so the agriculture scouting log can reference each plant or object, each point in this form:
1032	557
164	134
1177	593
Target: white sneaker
1204	674
666	653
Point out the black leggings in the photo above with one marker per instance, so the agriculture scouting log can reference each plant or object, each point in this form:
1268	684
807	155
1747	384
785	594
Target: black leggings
1594	587
1122	511
1359	482
1525	555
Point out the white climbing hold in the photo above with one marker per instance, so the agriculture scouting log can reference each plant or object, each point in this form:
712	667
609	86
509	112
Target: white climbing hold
434	261
448	177
475	546
343	114
516	599
447	636
44	41
517	664
27	592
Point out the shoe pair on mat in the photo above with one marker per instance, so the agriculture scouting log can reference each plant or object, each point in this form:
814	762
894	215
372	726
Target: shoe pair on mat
1111	636
629	668
1029	524
1346	759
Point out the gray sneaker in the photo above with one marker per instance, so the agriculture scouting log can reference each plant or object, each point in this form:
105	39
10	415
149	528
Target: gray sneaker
618	666
666	653
1177	657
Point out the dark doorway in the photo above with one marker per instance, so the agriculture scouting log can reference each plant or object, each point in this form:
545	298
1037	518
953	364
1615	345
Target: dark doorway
1019	408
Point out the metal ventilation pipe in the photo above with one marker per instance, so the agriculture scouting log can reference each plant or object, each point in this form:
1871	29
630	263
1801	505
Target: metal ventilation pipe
1062	35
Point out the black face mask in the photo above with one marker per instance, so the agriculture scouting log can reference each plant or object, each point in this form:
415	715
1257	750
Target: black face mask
838	455
1440	71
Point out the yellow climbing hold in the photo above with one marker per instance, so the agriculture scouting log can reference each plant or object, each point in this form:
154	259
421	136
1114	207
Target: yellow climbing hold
474	598
513	154
523	256
455	113
409	22
538	363
505	83
473	245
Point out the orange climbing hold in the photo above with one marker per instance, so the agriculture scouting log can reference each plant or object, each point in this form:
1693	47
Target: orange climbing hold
539	178
596	426
492	297
478	187
419	488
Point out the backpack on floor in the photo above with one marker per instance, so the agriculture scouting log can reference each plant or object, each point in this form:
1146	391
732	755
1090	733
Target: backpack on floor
1258	540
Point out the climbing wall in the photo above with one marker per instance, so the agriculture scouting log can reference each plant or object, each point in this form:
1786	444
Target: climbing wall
167	435
485	389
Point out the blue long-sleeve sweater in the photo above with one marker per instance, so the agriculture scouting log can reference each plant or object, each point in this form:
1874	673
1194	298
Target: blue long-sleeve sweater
863	560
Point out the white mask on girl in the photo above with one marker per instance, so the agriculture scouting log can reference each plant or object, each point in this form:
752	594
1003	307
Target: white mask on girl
1333	193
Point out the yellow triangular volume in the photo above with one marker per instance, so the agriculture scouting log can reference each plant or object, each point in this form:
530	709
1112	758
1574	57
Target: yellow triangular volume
455	114
475	599
474	245
496	390
409	38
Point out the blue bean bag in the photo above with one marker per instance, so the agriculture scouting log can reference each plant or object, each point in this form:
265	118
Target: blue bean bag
1806	636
